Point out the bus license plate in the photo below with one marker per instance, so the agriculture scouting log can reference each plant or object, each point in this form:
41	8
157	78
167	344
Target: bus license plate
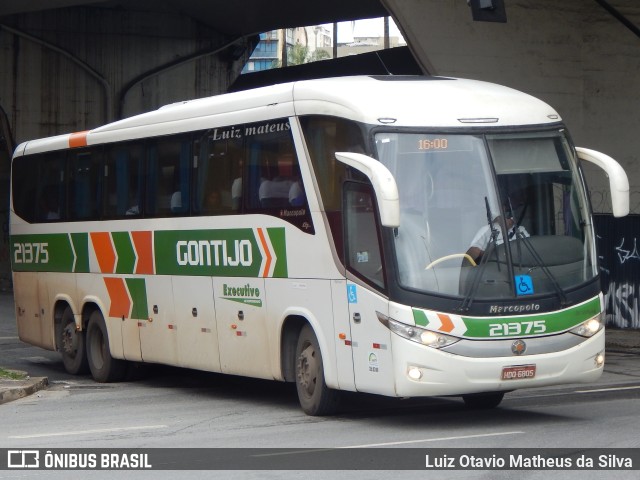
518	372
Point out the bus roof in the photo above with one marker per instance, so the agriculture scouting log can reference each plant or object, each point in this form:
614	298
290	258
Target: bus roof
400	101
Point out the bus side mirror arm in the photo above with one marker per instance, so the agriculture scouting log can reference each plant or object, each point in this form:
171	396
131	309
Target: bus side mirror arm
383	183
618	181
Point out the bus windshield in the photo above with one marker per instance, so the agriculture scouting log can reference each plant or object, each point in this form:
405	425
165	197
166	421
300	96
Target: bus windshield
489	216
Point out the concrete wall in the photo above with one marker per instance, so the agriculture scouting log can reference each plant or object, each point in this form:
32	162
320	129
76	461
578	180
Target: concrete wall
74	69
45	90
572	54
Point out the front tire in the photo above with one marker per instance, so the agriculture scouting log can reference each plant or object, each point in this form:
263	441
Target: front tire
315	397
72	345
104	368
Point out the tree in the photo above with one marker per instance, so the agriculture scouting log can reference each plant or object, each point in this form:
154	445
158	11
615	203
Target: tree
299	54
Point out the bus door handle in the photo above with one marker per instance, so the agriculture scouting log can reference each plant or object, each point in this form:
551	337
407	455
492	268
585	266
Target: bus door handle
357	318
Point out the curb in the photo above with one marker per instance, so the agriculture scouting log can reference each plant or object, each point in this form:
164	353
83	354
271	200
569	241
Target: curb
14	389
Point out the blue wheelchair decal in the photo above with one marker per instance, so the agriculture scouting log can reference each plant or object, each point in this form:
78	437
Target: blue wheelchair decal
524	285
352	294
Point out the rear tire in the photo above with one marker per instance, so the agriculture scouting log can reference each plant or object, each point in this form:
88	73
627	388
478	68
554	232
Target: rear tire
104	368
483	401
72	345
315	397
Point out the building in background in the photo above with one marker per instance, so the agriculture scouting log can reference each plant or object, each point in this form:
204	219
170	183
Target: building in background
308	44
290	46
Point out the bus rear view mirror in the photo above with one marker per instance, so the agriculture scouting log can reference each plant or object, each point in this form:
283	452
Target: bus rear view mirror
383	184
618	181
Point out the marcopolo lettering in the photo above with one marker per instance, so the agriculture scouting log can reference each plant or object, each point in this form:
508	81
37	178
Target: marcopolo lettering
214	253
530	307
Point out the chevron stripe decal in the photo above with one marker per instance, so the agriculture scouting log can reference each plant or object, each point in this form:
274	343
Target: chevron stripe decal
512	326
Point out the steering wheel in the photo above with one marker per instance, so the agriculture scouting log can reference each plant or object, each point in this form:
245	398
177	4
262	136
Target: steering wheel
451	257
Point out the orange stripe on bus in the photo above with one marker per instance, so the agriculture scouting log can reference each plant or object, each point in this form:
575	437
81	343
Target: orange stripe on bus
265	246
104	251
143	244
120	303
78	139
447	323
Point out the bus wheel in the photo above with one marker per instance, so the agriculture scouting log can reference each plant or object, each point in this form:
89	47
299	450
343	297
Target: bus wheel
104	368
482	401
71	344
315	397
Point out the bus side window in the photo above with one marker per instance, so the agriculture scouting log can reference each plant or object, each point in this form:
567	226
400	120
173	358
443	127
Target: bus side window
85	185
361	231
168	165
51	191
273	178
123	181
218	175
24	178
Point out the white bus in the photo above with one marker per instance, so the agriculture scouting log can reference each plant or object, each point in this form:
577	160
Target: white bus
342	234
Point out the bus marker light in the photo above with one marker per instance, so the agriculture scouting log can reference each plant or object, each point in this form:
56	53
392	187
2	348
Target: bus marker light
590	327
414	373
234	326
342	336
428	338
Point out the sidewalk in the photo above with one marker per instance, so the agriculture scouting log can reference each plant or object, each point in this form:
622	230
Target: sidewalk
623	340
618	340
14	389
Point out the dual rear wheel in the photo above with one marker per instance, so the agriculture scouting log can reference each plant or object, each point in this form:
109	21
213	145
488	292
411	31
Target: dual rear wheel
88	351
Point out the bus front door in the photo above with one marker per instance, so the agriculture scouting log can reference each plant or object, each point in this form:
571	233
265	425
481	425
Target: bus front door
370	340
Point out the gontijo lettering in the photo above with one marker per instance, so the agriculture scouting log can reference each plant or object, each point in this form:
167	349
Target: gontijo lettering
242	252
214	253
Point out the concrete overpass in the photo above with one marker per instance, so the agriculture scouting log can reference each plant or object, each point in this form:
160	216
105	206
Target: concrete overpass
68	65
75	64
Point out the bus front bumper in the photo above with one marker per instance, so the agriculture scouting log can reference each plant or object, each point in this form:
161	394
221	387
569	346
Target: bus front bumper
424	371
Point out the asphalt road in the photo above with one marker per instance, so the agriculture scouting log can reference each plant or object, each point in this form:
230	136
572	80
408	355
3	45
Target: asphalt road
169	407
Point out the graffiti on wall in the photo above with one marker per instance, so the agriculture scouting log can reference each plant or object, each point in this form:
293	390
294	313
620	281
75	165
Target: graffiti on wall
619	249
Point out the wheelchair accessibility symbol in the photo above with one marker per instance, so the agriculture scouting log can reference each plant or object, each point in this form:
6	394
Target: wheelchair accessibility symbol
352	294
524	285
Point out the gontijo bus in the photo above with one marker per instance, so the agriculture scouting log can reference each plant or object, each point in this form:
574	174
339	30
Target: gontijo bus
319	232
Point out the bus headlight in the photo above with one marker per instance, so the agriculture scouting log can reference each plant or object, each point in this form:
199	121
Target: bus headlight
417	334
589	328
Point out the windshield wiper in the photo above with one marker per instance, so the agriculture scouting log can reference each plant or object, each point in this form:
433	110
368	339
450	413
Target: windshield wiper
536	257
479	269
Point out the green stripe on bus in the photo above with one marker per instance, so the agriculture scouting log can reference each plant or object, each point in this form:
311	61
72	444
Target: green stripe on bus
125	252
420	318
50	252
138	291
81	248
554	322
276	235
522	325
229	252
